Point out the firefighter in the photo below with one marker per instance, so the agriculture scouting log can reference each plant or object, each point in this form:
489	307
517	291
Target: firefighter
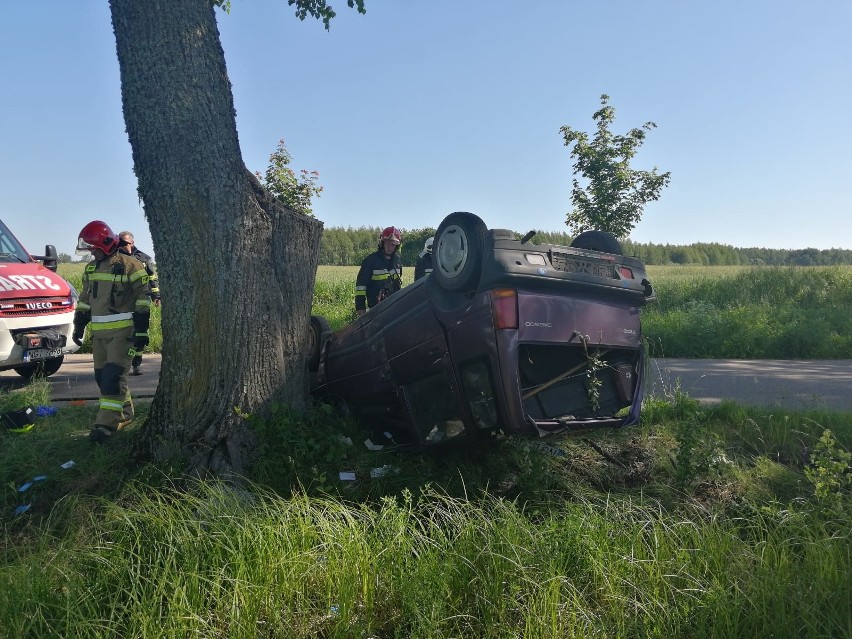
381	272
115	300
126	245
424	260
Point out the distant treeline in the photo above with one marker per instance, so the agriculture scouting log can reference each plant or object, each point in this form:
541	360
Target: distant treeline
348	246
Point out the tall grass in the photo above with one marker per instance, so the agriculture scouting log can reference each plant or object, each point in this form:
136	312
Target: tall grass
752	313
810	287
503	540
215	562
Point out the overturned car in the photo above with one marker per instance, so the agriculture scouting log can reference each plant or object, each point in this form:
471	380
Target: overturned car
504	336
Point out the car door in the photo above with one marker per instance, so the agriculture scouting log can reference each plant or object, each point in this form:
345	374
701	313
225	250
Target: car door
356	364
421	366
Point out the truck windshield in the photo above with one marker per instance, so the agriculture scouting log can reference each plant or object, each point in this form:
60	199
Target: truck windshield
10	248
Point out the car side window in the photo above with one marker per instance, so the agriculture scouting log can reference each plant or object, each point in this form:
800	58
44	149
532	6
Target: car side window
478	387
434	408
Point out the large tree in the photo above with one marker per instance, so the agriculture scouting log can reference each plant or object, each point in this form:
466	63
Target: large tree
615	194
236	267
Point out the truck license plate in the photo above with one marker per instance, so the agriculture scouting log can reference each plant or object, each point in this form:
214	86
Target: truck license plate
572	264
42	353
587	266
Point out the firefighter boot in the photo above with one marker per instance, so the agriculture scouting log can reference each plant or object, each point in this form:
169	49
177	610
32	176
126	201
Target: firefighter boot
99	434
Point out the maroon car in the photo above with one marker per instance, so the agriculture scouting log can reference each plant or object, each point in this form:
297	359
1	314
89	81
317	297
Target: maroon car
504	335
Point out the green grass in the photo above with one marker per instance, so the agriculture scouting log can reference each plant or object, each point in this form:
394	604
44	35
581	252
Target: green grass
702	522
218	563
751	313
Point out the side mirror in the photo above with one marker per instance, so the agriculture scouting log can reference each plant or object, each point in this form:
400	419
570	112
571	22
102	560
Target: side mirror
51	258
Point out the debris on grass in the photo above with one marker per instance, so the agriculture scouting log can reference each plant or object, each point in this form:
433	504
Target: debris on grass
371	446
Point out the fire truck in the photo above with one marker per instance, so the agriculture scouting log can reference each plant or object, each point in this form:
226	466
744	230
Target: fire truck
36	309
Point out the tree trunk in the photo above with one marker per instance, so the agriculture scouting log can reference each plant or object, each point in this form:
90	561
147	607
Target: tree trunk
236	268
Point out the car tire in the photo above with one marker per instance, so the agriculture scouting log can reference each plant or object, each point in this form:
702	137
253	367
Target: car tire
457	252
45	368
600	241
318	325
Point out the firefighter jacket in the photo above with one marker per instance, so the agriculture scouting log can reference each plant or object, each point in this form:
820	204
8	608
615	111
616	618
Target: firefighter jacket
114	296
151	270
380	275
423	266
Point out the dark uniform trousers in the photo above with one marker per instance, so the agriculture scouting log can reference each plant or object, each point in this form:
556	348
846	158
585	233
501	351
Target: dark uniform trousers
112	353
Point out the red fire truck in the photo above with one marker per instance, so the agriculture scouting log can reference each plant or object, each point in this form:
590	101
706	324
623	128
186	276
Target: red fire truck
36	309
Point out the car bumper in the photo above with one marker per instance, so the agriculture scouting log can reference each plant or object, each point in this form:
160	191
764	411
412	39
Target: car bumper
12	354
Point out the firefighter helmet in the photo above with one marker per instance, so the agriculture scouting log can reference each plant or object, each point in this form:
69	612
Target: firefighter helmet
97	235
391	233
427	247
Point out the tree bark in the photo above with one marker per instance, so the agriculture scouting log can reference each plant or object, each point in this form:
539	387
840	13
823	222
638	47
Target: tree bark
236	268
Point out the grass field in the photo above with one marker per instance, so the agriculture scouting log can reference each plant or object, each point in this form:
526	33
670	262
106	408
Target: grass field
714	522
751	312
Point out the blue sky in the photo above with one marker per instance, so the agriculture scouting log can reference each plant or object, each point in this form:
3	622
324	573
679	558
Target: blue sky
418	109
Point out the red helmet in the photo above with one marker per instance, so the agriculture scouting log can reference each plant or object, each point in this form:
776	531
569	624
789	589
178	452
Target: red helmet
97	235
391	233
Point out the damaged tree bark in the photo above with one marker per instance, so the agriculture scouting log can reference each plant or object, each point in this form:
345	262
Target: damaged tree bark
236	268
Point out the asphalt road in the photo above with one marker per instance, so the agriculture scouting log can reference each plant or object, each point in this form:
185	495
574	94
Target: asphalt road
810	384
75	381
797	384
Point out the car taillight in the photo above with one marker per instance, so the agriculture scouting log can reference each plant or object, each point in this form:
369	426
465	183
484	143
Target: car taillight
626	273
504	308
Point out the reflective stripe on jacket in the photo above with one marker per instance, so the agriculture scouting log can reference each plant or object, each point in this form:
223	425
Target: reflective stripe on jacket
423	266
377	271
114	289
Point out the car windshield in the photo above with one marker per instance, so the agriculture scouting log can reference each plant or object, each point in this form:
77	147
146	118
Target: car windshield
10	249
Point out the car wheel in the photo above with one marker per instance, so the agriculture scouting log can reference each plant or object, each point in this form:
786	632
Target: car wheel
316	328
597	241
457	251
44	368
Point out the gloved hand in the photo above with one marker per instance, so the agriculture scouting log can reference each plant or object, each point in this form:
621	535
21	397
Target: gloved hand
81	318
140	342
